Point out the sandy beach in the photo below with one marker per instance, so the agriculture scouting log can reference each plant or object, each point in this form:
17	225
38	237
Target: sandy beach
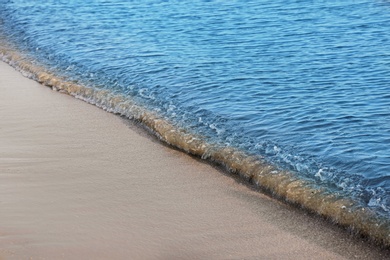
77	182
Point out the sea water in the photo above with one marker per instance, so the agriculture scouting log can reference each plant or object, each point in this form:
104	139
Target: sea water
302	86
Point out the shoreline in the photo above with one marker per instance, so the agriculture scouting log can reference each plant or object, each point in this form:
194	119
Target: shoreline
78	182
340	209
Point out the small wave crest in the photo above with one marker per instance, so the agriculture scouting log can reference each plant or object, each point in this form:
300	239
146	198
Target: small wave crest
282	184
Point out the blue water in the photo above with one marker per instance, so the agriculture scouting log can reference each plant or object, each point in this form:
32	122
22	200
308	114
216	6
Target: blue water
303	84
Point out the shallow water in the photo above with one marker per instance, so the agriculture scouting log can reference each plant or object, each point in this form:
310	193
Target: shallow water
304	86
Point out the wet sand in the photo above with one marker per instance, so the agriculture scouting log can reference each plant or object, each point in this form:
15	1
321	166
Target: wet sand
79	183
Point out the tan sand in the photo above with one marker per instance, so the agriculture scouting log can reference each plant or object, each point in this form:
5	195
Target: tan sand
79	183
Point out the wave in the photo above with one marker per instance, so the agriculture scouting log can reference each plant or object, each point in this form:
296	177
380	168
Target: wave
282	184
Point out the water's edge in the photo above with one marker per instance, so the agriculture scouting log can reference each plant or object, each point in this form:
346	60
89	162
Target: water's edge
284	185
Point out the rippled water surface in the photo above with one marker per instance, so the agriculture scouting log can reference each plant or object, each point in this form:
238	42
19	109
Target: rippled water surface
304	84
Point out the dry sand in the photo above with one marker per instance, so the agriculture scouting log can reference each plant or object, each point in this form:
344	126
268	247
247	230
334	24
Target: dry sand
79	183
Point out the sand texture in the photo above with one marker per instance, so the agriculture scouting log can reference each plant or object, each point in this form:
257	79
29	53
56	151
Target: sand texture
79	183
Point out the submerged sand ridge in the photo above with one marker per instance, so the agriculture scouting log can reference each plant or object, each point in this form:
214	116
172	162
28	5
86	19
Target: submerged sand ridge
77	182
